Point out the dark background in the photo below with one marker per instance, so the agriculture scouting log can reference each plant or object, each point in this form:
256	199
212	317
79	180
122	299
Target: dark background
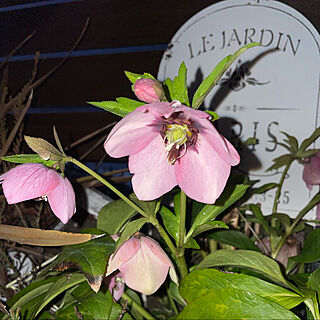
122	35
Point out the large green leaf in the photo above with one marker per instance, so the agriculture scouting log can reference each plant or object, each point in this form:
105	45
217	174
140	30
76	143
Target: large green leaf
208	84
149	207
280	162
114	215
177	88
234	303
235	238
90	257
201	282
314	281
307	142
210	211
121	107
209	226
245	259
311	248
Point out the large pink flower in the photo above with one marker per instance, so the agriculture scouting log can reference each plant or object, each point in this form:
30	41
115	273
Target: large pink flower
144	266
170	144
33	181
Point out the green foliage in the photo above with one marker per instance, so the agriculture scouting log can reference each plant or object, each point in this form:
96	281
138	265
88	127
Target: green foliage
280	162
210	211
208	84
177	88
29	158
90	257
114	215
150	208
171	222
121	107
246	259
231	302
201	282
260	217
133	77
235	238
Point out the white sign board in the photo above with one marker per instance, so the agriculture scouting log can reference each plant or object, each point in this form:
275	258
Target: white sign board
269	89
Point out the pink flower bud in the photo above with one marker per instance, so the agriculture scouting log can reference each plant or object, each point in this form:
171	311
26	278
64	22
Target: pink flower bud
116	285
149	90
143	264
311	171
33	181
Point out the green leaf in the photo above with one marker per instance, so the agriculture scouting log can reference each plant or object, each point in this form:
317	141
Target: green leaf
201	282
171	222
209	226
65	282
260	217
308	153
314	281
90	257
114	215
29	158
191	244
210	211
177	88
133	77
208	84
266	187
311	248
130	229
291	141
234	238
121	107
307	142
214	115
280	162
175	294
246	259
230	303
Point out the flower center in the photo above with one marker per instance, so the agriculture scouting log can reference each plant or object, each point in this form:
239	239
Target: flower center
177	135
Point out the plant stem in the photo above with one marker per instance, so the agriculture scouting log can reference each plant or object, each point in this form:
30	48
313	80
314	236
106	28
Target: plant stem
174	307
108	184
314	201
138	308
277	196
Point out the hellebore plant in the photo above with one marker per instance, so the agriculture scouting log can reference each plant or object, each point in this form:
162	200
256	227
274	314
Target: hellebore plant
169	143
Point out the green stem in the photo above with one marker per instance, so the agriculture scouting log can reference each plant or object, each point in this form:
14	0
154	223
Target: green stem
174	307
314	201
106	183
138	307
277	196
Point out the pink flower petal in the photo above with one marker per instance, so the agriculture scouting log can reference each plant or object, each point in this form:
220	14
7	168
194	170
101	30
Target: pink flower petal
62	200
28	181
311	171
153	175
201	173
223	147
124	253
144	272
116	285
158	109
131	134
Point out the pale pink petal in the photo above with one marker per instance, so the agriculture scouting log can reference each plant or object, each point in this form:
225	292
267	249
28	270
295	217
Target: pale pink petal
201	173
28	181
158	109
192	113
153	175
223	147
62	200
116	286
311	171
124	253
144	272
132	133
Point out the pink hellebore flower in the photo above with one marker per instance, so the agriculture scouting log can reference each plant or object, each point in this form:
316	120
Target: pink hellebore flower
170	144
148	90
143	264
116	285
33	181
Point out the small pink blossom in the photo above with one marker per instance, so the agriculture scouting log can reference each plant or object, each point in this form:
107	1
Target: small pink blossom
143	264
33	181
170	144
148	90
116	285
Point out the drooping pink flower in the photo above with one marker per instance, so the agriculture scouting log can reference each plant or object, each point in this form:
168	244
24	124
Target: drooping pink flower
170	144
148	90
33	181
143	264
116	285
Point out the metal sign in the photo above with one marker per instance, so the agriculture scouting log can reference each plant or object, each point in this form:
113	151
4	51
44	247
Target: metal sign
269	89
